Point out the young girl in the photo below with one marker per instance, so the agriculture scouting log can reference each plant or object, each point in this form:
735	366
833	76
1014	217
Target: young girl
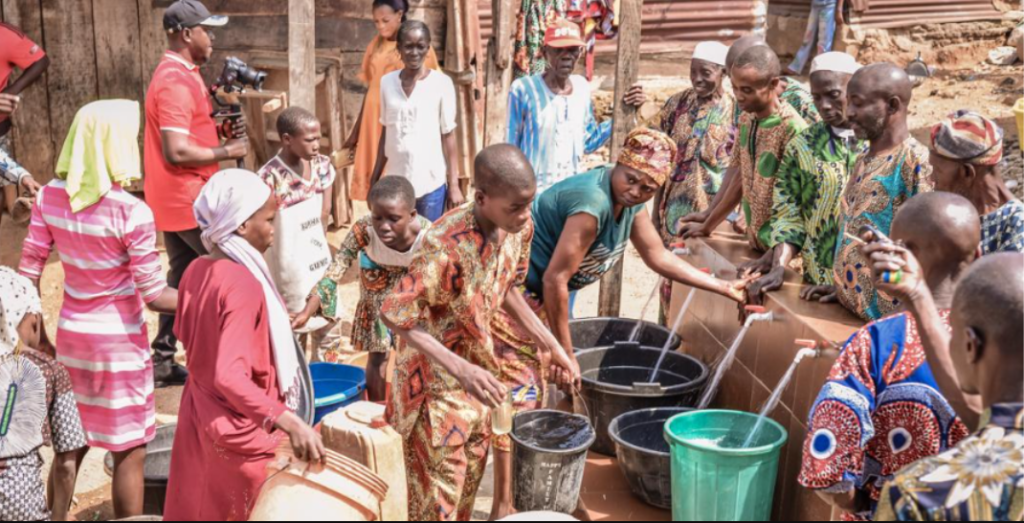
385	242
381	58
22	492
106	239
418	112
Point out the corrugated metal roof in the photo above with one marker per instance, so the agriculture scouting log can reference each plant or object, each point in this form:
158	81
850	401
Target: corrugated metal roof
690	21
674	24
888	14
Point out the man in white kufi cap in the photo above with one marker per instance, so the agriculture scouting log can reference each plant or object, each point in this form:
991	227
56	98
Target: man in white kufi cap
701	121
811	181
713	52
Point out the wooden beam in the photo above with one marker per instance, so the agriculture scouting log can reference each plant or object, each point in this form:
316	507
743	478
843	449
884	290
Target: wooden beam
341	208
69	41
152	38
499	74
627	71
460	63
118	49
302	54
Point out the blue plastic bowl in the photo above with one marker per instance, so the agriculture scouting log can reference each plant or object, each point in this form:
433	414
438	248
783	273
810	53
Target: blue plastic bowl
335	386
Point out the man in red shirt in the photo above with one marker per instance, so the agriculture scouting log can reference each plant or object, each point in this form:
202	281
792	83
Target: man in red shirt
182	152
16	51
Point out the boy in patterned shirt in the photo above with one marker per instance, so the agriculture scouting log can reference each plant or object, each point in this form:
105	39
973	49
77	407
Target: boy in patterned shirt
446	378
302	179
982	478
883	407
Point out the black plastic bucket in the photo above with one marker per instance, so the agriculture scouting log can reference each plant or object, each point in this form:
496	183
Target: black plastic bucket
549	456
156	470
592	333
644	455
613	384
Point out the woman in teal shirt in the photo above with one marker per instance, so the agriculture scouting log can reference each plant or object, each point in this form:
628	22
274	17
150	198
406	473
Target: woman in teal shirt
582	227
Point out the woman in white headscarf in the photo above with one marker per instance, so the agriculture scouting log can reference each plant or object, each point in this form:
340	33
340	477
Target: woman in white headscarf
246	374
37	408
106	240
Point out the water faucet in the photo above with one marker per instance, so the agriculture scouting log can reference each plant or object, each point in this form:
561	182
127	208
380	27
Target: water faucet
757	313
810	350
680	249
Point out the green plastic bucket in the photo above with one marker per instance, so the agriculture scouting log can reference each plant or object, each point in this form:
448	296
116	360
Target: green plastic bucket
713	482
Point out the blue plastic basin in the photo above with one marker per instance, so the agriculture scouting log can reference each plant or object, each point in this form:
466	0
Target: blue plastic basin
335	386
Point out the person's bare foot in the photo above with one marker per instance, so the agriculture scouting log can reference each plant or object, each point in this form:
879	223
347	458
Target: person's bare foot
501	511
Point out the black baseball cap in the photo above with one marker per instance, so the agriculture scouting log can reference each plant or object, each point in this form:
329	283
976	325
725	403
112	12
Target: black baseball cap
184	14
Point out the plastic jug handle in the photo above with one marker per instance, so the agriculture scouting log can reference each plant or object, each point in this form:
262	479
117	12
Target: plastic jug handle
362	413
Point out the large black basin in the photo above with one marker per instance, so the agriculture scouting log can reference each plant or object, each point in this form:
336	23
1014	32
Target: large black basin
614	383
591	333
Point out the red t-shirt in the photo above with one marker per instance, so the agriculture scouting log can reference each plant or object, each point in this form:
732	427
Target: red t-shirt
179	102
16	50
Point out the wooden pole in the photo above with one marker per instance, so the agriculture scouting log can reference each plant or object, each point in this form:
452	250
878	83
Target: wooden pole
627	71
302	54
499	74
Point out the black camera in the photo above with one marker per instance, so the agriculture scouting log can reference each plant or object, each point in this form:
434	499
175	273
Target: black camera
237	75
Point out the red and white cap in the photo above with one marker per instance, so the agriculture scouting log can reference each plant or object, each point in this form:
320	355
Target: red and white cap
563	33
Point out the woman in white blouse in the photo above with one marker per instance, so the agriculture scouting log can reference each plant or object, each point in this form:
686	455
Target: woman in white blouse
418	111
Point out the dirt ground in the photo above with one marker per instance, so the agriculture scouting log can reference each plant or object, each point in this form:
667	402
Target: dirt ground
988	89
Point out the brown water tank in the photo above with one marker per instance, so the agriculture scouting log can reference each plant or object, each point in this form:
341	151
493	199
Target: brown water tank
360	433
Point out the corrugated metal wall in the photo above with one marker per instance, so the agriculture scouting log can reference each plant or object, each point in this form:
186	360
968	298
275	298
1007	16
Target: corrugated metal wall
686	22
901	13
887	14
674	24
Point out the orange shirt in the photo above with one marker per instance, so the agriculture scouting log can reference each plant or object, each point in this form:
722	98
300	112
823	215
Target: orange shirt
16	50
179	102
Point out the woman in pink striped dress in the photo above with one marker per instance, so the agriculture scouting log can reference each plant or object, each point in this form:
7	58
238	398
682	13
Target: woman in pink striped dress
106	241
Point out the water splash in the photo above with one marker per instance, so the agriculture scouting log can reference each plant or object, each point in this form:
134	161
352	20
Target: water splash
643	313
675	328
730	356
776	396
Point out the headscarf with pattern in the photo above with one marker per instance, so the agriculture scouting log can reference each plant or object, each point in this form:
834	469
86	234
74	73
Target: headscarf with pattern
968	137
650	152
